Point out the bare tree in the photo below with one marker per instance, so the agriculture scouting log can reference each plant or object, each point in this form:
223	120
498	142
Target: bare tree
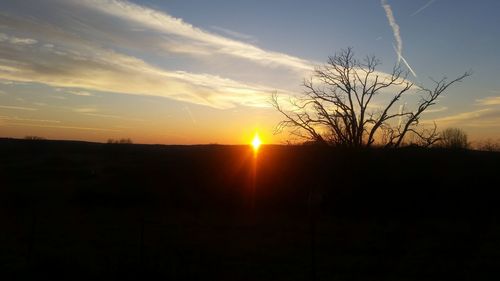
336	107
454	138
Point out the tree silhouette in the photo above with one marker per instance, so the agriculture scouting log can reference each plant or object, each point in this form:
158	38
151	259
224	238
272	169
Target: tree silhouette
454	138
336	107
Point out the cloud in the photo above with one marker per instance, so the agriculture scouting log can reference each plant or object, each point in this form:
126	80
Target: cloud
106	45
165	24
16	40
234	34
99	115
15	118
435	110
94	68
79	93
7	82
74	53
64	127
466	115
23	41
85	110
487	117
423	7
94	112
394	26
18	108
58	97
489	101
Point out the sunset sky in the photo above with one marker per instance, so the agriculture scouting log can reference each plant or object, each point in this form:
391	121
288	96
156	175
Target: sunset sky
187	72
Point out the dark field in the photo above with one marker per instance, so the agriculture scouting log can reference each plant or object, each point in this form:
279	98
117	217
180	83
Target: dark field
86	211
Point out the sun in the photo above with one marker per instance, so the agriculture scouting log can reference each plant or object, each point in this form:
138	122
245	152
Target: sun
256	142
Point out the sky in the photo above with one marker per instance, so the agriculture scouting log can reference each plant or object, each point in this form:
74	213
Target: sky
194	72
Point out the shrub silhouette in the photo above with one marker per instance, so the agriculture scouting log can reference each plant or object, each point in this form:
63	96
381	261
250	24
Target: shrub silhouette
34	138
120	141
488	145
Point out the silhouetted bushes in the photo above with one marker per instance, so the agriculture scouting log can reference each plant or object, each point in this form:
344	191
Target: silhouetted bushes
120	141
488	145
34	138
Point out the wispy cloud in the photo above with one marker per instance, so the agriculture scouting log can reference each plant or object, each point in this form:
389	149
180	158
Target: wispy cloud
166	24
79	93
395	27
488	117
52	96
16	40
234	34
95	68
75	54
64	127
94	112
75	50
435	110
423	7
7	82
489	101
85	110
18	108
100	115
15	118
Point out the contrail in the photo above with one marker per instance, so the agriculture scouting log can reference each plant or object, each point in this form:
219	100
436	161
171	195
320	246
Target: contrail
401	111
404	61
397	36
190	114
423	8
394	26
409	67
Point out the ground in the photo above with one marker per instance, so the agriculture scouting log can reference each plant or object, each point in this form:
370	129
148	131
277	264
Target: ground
88	211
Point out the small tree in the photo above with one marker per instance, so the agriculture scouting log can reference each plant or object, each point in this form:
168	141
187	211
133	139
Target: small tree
336	107
454	138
